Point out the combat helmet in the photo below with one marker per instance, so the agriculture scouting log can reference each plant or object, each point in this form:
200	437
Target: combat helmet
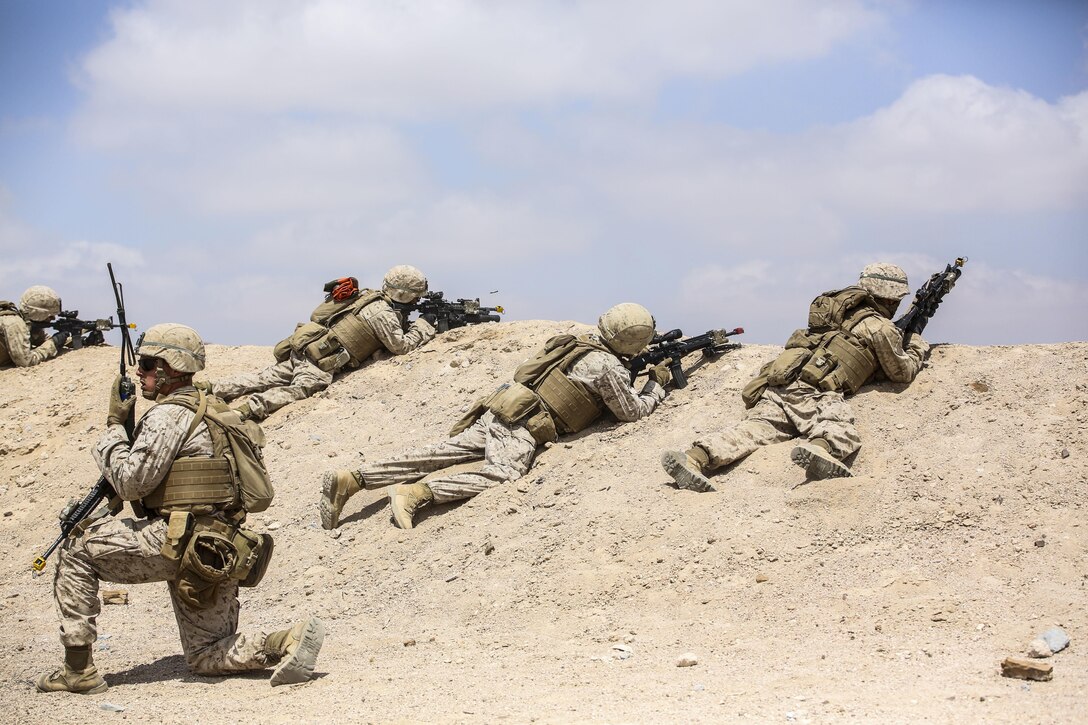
626	328
885	281
179	345
404	283
40	303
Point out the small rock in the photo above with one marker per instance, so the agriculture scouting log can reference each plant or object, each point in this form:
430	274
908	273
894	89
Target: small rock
760	578
687	659
1025	669
1055	638
114	596
409	643
335	534
1040	543
1039	649
1065	453
110	707
450	578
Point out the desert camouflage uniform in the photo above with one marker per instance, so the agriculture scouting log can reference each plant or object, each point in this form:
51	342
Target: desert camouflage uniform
126	551
798	409
508	450
22	347
296	378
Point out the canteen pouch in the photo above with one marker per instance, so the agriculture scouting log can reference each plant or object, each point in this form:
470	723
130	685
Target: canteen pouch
254	554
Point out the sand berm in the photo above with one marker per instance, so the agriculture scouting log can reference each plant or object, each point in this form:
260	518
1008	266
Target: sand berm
571	594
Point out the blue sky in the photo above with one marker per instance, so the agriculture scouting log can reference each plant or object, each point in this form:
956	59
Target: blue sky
720	162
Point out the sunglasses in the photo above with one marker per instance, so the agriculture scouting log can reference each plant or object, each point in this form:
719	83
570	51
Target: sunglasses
147	364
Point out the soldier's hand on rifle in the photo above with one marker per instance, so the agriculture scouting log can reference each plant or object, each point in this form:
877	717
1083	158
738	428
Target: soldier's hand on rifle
430	318
660	374
119	409
60	339
918	347
68	509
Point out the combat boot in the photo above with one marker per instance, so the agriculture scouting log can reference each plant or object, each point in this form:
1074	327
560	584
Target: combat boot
815	457
297	650
406	499
336	488
688	468
78	674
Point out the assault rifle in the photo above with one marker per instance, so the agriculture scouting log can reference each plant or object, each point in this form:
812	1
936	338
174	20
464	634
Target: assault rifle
68	321
74	516
927	299
670	346
449	315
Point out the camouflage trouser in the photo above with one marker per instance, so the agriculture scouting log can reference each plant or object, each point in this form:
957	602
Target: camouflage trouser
507	451
784	413
126	551
278	385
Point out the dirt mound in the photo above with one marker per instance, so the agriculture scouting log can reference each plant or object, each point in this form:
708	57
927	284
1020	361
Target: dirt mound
572	593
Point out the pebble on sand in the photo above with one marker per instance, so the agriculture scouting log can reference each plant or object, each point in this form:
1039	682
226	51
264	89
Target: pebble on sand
687	659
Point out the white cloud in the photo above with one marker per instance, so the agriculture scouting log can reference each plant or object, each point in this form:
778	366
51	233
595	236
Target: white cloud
179	61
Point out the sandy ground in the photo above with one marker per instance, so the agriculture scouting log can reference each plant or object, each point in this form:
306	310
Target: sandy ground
571	594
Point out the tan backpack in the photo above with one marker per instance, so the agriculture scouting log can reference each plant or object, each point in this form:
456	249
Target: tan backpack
240	442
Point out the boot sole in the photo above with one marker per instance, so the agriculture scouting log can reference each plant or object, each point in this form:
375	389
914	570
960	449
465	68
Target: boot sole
299	667
330	517
818	468
674	464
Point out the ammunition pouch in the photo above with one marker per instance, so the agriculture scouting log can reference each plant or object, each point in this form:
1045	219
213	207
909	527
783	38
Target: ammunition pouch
541	425
314	342
753	391
786	368
282	350
841	363
254	555
512	402
193	482
572	406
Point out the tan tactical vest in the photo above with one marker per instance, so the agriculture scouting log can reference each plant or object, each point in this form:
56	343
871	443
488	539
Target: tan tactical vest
568	401
345	329
201	486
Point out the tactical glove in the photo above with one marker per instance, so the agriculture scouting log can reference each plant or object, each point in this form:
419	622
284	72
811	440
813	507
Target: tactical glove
430	318
119	409
660	374
60	339
68	509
